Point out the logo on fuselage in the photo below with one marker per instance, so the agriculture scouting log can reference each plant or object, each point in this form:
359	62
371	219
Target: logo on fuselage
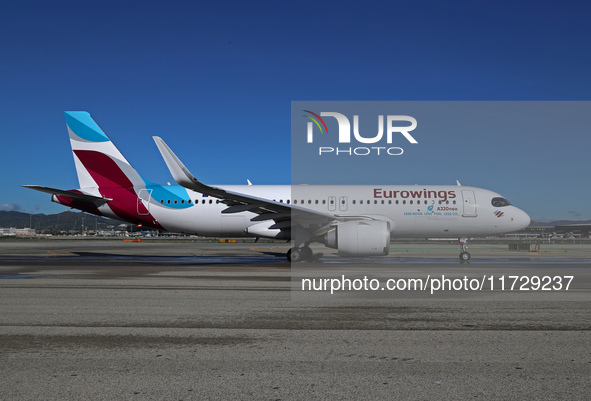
414	194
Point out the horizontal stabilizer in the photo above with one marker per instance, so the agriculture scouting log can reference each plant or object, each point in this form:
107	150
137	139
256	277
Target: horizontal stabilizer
69	194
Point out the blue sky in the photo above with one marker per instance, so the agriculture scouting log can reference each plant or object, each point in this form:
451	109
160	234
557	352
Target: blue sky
215	80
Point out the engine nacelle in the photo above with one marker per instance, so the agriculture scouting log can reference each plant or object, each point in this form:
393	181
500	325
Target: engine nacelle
360	238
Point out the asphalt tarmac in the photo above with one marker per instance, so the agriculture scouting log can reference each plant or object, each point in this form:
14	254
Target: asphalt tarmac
106	320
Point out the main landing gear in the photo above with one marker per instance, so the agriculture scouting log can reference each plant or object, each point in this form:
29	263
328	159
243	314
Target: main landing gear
464	256
299	254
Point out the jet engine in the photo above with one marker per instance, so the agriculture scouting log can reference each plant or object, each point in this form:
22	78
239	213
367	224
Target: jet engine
360	238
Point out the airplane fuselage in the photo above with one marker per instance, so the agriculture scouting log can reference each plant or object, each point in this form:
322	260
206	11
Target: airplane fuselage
413	210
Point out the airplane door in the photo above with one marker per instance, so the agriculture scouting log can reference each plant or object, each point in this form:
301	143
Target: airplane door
469	204
332	203
143	202
343	203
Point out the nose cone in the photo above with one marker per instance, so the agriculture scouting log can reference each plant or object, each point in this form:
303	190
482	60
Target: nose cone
521	219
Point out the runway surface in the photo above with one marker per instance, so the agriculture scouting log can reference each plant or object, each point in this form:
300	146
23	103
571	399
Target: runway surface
179	321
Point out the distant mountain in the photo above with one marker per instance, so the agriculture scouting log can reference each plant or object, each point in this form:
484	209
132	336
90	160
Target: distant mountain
55	223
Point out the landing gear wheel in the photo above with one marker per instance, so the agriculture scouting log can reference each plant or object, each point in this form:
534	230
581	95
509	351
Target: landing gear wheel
464	256
300	254
295	255
307	253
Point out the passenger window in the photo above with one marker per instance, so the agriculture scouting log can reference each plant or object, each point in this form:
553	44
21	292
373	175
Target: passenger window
168	202
295	201
162	201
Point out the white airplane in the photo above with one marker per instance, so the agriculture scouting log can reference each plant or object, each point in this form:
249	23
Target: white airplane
357	220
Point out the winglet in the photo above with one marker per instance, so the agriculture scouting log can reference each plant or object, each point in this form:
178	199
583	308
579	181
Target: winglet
179	172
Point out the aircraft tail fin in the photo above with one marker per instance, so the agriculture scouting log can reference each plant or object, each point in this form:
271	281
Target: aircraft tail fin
99	164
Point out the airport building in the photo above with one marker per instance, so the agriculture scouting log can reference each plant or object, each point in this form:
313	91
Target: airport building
555	231
17	232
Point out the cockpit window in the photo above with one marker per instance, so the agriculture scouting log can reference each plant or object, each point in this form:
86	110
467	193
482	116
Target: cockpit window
499	202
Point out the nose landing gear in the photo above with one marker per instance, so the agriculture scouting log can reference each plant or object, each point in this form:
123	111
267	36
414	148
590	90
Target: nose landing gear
464	255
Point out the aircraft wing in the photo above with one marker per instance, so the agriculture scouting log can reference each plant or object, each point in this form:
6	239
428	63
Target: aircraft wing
266	209
69	194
